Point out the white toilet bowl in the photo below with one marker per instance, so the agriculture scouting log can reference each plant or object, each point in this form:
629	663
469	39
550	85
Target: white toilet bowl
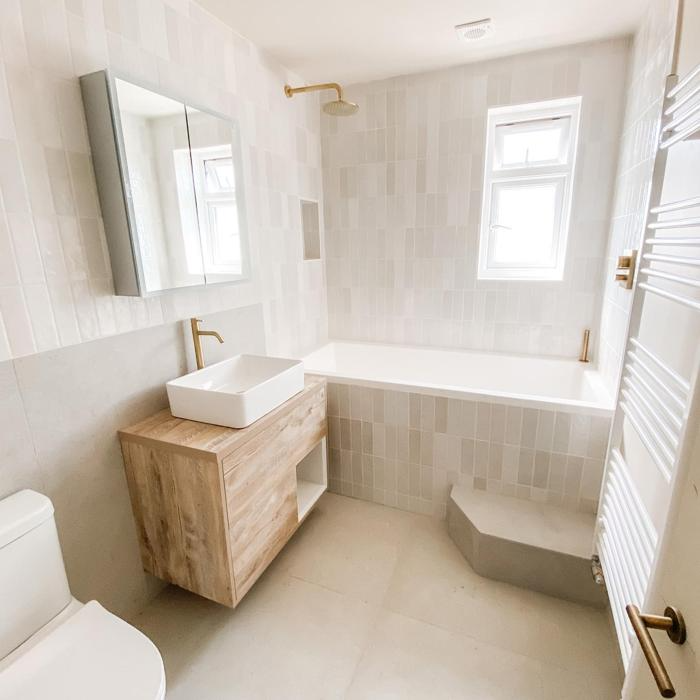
52	646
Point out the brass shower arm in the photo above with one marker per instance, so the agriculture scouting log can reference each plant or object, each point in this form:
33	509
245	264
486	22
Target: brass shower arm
290	91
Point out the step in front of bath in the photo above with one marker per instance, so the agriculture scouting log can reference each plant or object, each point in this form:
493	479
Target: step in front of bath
532	545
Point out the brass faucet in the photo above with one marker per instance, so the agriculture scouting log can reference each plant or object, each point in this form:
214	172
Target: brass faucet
196	335
583	357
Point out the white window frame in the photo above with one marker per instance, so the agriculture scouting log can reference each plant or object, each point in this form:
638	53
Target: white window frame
561	170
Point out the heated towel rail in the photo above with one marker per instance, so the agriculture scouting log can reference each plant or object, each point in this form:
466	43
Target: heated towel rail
653	398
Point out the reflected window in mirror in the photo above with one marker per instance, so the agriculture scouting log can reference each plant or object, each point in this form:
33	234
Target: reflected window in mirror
216	174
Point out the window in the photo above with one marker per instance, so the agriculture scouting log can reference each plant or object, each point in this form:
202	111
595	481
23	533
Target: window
528	182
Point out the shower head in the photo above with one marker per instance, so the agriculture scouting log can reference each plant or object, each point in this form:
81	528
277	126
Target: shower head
340	108
336	108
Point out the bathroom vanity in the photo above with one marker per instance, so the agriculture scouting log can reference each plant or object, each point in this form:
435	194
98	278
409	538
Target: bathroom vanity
215	505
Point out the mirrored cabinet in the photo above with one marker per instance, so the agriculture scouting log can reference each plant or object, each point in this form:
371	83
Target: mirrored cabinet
170	182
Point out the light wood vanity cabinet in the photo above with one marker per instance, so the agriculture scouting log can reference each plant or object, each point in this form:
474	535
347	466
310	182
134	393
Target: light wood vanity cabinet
213	505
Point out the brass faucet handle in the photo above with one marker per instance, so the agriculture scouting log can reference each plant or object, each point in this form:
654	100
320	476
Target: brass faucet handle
624	261
624	272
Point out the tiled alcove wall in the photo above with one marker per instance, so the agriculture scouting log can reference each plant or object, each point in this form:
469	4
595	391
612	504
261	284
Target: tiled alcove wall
406	450
403	187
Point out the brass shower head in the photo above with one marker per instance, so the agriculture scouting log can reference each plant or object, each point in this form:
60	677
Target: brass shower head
336	108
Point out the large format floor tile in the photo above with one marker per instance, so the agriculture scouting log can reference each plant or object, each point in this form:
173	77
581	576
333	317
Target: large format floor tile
372	602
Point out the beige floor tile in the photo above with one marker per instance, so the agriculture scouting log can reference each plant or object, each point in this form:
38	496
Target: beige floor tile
371	602
288	639
597	684
432	582
349	546
409	659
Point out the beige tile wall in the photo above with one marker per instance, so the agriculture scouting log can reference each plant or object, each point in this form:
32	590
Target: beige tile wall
60	411
403	187
55	280
406	450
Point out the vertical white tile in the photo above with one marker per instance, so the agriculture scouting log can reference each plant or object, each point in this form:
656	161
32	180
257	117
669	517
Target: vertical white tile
12	190
9	273
64	312
41	316
26	248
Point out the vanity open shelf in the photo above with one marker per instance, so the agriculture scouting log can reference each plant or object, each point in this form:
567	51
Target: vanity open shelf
215	505
312	479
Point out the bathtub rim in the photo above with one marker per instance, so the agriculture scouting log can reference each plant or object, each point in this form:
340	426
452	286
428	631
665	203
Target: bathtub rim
597	408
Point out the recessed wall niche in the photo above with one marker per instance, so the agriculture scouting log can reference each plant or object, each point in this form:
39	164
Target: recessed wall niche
311	229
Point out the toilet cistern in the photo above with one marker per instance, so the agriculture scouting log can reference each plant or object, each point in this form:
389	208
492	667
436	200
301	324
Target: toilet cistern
196	339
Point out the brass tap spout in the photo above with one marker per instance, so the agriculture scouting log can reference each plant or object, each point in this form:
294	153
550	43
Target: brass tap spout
196	335
583	357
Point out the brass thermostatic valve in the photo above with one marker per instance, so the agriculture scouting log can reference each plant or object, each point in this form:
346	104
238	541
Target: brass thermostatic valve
624	273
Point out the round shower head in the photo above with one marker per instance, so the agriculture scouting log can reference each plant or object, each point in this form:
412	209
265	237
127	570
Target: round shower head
337	108
340	108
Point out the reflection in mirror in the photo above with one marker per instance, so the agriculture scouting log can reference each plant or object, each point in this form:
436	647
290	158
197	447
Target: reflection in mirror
154	132
217	177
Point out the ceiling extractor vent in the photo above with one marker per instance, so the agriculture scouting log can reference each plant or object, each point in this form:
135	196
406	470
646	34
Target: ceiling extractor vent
473	31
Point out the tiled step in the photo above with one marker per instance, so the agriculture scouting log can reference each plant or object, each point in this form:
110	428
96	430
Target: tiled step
532	545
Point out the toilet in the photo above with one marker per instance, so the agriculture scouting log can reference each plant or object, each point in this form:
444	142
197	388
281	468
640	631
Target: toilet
51	645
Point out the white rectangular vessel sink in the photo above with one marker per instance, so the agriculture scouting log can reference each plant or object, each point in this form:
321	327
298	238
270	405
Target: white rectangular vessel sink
236	392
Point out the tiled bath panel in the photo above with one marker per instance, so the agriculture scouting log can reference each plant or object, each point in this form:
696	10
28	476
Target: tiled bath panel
406	450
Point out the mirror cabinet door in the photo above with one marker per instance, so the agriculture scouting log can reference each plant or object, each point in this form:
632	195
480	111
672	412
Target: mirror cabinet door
170	183
159	184
217	177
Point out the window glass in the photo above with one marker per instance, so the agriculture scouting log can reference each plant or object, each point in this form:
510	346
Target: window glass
219	174
524	224
531	144
223	242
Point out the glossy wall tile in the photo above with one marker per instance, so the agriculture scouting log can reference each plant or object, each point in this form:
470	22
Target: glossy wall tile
652	52
403	189
55	279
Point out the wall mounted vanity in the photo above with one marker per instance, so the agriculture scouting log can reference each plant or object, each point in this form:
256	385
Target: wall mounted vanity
170	182
214	505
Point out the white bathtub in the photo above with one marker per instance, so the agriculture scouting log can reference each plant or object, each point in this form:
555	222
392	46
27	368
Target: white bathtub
511	379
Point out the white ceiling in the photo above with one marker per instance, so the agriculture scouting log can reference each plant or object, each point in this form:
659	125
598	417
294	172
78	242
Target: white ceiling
358	40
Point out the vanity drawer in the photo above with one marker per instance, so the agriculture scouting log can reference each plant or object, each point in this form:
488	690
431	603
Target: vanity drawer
260	484
289	439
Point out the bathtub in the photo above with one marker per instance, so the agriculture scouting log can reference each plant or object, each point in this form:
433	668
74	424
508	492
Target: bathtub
405	423
511	379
